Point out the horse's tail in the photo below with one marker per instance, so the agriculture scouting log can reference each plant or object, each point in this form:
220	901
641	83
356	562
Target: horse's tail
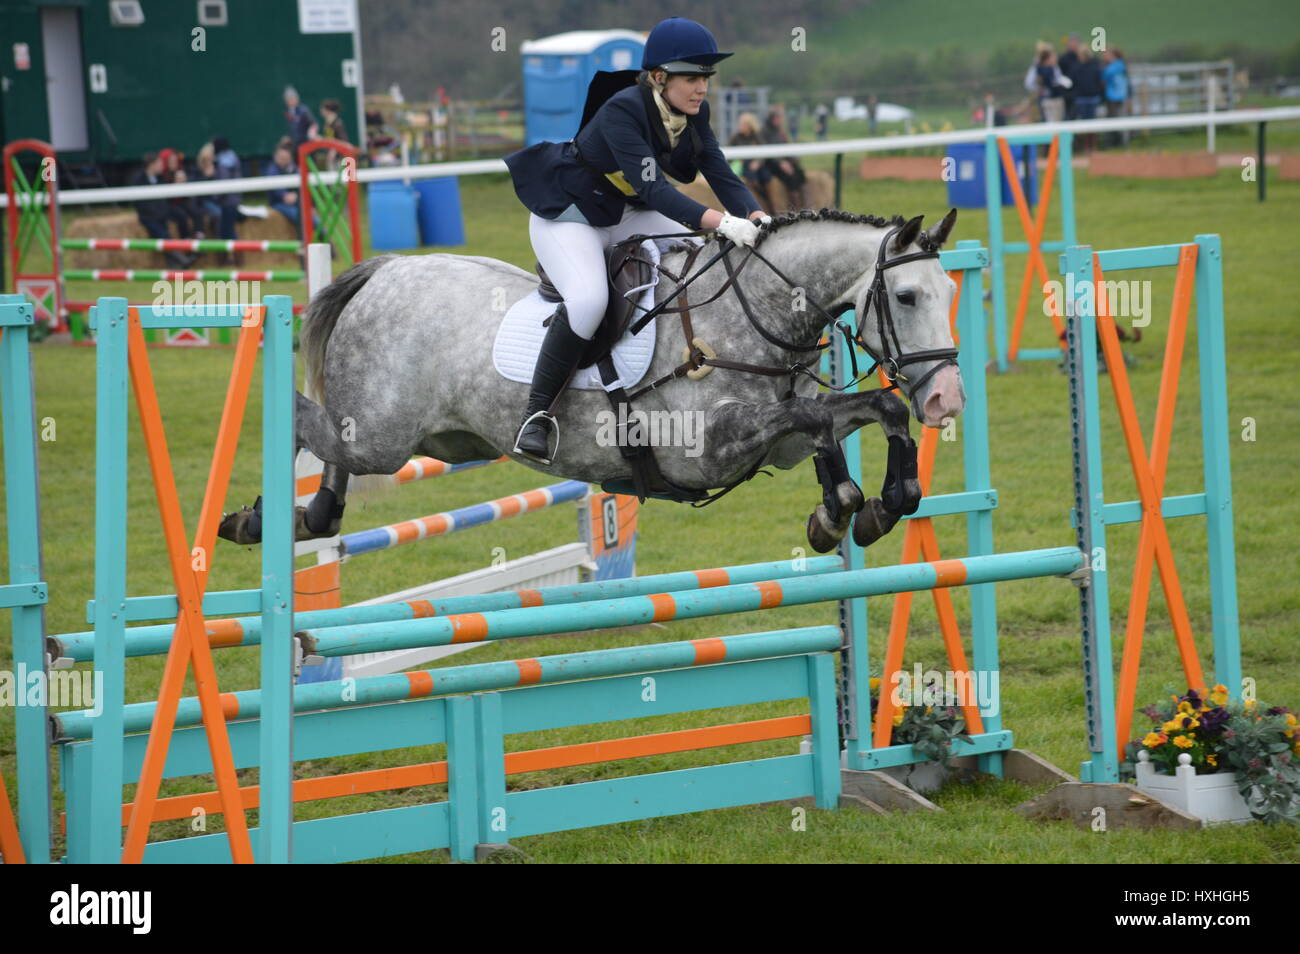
321	316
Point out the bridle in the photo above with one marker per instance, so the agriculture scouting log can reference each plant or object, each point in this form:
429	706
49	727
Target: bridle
892	358
890	361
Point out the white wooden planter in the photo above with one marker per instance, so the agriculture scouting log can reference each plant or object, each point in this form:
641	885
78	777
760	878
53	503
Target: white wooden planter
1211	798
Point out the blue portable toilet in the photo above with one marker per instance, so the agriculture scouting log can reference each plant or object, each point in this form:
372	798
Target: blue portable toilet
557	70
966	187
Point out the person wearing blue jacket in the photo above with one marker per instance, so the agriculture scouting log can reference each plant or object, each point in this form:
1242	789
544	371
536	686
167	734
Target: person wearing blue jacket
615	179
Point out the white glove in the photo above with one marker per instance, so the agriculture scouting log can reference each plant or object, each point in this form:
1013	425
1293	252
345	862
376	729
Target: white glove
763	219
740	231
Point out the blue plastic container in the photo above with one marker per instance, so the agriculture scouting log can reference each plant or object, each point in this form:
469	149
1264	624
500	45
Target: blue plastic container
966	190
441	222
393	216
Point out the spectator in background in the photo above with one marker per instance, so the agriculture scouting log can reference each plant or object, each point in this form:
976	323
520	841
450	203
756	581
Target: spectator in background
205	170
156	214
1087	91
301	123
1069	62
1051	85
872	103
185	208
753	171
284	201
331	112
1114	78
823	120
787	170
227	166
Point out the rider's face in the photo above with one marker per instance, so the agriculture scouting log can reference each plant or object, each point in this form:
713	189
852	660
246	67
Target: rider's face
686	92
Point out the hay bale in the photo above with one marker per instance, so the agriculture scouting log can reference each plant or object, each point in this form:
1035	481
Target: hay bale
1147	165
116	225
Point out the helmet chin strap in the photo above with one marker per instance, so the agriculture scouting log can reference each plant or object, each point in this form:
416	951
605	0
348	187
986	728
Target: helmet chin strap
663	92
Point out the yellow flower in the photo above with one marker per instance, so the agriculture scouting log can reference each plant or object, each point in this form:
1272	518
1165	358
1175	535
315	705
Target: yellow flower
1185	708
1193	724
1289	718
929	709
898	717
874	683
1249	704
1219	695
1183	742
1173	725
1152	740
1212	760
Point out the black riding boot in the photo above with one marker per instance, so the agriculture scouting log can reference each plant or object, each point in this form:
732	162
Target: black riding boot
561	351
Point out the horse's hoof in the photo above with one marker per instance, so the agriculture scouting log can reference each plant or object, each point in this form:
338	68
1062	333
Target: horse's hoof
821	530
850	499
872	522
243	527
303	532
911	497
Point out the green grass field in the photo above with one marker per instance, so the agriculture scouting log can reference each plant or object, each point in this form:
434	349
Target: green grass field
764	521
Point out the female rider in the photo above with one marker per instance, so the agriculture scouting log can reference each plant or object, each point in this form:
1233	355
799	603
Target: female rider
615	180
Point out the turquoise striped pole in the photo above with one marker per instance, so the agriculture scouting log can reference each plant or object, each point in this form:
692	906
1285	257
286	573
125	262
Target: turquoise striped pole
486	677
247	630
638	610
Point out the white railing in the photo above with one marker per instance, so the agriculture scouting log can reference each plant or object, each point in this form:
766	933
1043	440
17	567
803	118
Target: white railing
1234	117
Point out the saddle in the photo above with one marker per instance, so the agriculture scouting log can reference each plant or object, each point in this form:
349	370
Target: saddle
624	270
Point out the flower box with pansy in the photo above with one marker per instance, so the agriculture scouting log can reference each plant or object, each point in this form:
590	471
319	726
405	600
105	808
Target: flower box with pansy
1204	734
930	730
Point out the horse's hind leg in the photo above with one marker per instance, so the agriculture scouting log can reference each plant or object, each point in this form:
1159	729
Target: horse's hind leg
320	518
323	516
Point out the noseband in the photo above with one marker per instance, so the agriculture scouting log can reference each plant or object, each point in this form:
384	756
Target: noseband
893	358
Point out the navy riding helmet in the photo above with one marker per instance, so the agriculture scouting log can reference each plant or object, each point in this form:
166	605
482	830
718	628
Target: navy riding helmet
679	45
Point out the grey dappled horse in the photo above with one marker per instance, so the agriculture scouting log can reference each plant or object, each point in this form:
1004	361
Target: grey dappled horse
398	359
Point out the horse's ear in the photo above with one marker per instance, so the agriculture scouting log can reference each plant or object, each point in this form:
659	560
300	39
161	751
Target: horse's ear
907	235
937	235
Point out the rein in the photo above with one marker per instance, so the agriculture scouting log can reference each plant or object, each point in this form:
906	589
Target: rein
891	362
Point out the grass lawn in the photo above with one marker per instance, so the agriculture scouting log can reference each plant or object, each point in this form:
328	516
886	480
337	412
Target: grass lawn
764	521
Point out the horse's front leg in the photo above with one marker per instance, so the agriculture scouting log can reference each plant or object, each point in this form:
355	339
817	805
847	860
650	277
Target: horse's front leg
900	493
748	432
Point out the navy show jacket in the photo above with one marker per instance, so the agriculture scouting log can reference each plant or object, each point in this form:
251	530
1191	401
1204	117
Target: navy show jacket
553	179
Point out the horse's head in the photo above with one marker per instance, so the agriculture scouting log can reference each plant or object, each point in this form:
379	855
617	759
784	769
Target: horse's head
902	303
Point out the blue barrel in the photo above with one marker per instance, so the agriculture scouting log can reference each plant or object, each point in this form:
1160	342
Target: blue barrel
440	219
393	216
966	188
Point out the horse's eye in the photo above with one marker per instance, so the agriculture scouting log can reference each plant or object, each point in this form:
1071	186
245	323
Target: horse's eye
906	298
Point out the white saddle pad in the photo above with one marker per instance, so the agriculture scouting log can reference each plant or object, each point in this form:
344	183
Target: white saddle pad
519	339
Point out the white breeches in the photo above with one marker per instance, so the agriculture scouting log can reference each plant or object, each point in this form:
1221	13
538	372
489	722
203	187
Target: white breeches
573	255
